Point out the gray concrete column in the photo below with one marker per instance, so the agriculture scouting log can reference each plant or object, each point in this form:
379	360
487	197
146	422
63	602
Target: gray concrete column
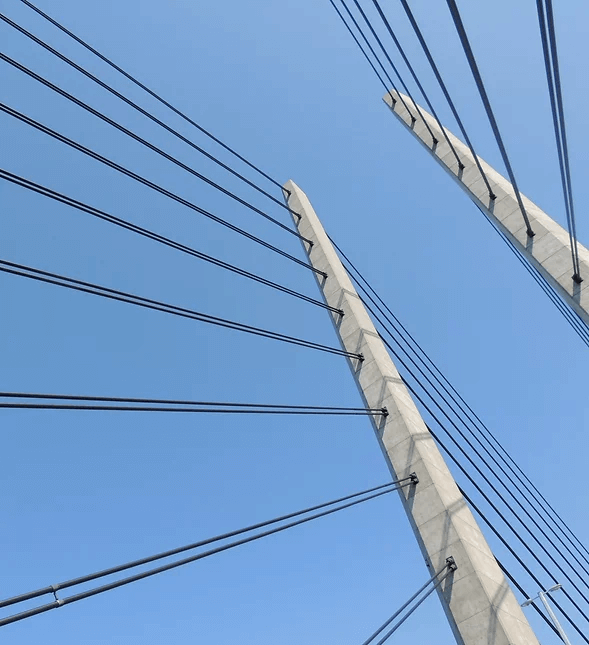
549	250
478	601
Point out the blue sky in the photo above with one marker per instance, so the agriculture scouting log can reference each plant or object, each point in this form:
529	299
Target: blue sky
284	84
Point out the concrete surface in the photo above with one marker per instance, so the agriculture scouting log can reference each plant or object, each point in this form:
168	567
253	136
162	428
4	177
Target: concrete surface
479	604
549	250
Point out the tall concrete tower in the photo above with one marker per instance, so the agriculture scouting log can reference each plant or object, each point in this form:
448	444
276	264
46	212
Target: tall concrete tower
549	250
479	603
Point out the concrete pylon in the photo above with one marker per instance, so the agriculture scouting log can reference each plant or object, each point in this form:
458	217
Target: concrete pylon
549	250
478	601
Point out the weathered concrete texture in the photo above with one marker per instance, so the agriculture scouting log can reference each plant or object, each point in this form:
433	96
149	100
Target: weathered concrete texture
549	250
479	603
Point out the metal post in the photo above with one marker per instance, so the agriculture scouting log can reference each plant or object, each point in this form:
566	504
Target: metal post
544	599
479	604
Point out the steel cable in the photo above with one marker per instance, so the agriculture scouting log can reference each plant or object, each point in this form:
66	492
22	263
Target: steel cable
370	47
147	144
169	405
519	560
487	104
339	13
398	624
134	228
417	81
516	584
450	391
397	73
413	597
461	449
149	91
148	303
146	182
52	589
142	111
548	38
446	93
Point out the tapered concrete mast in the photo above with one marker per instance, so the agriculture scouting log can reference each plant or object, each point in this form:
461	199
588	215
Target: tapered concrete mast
549	250
479	604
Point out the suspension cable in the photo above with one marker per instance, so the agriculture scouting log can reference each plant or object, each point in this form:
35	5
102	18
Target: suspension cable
490	484
417	82
571	316
458	416
147	144
518	536
413	597
450	568
487	104
107	217
148	303
52	589
458	400
556	104
367	42
146	182
170	405
141	110
149	91
485	449
526	595
519	560
446	93
469	459
397	73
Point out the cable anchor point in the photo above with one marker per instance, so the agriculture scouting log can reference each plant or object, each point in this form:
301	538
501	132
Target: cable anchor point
451	563
54	590
414	479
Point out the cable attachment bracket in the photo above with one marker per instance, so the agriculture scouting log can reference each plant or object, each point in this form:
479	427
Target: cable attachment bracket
451	563
414	479
384	412
54	590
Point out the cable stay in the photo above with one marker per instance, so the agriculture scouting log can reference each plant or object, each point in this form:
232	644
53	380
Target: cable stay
147	303
575	321
491	467
516	584
452	455
142	111
417	82
397	74
80	402
392	84
437	580
147	144
146	182
470	460
487	104
107	217
402	334
446	93
501	481
548	37
370	47
337	505
521	562
515	532
158	98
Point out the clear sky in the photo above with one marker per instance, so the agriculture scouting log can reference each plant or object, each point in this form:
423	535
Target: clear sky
283	83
